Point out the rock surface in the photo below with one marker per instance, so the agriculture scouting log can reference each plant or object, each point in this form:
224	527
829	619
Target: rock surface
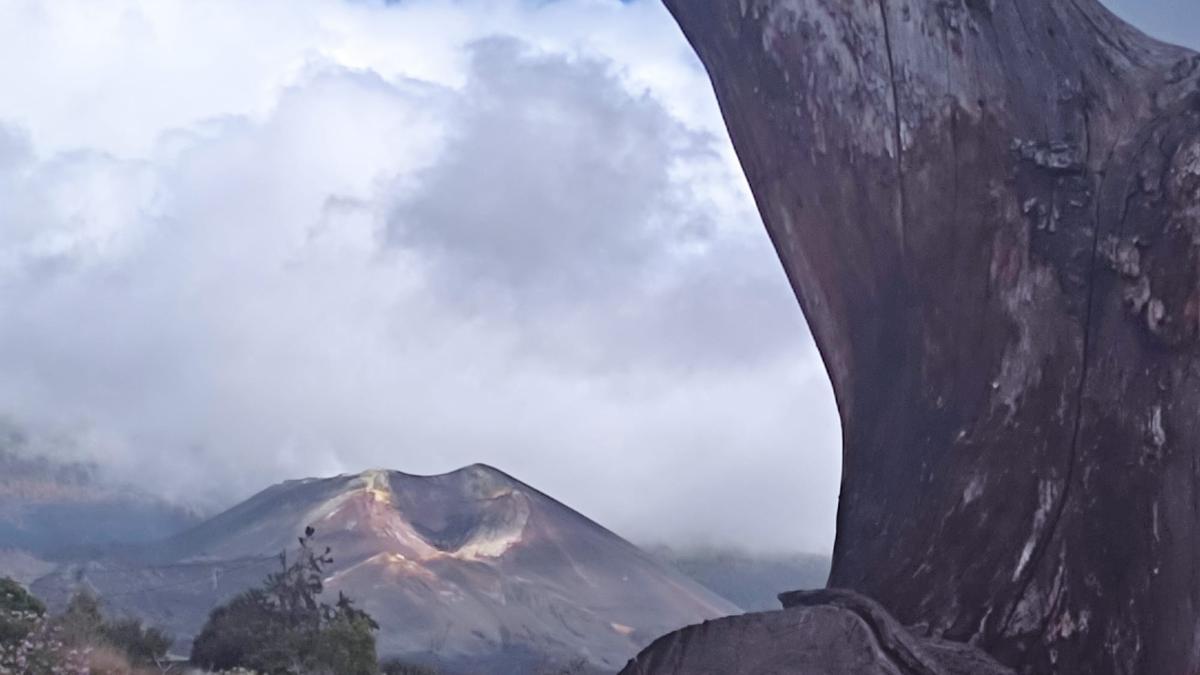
818	633
990	212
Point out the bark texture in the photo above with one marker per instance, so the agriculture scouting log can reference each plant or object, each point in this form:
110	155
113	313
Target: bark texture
990	213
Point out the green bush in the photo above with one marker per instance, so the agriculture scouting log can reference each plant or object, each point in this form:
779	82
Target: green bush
282	628
19	612
80	640
14	598
347	644
29	642
142	646
83	626
243	633
82	623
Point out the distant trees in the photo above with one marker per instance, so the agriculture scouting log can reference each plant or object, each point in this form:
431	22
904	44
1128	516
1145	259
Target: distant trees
283	628
280	628
80	640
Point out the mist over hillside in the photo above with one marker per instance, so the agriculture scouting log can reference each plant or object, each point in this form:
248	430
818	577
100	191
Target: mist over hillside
58	509
750	580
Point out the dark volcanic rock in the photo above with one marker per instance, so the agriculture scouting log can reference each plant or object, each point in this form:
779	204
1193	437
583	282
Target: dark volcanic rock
817	633
990	212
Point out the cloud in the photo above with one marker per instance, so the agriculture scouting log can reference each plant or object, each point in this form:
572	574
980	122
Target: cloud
557	182
312	237
558	186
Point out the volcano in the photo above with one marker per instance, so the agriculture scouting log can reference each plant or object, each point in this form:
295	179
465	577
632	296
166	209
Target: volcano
470	570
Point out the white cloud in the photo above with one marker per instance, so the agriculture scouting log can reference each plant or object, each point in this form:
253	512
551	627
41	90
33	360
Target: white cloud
242	242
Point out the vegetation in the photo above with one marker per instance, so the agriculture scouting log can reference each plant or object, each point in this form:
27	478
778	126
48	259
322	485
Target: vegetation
142	646
283	628
19	612
79	641
83	626
280	628
41	651
28	642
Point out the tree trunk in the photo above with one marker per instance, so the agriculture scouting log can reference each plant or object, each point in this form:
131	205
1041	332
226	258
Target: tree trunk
990	213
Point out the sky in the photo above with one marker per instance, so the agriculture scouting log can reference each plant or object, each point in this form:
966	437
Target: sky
1176	21
242	242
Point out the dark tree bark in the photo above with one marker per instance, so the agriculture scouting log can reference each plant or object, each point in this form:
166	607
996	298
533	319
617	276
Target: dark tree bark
990	213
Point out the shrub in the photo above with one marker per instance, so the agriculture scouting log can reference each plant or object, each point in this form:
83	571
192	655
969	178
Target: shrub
82	623
79	641
242	633
41	651
347	644
141	645
14	598
19	611
283	628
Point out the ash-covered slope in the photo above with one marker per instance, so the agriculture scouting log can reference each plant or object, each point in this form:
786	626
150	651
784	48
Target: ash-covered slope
55	509
471	568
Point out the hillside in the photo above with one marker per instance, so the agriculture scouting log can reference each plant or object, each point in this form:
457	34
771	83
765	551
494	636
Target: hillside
463	569
54	509
752	581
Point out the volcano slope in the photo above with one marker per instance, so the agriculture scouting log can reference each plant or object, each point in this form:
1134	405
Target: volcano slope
471	570
57	510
